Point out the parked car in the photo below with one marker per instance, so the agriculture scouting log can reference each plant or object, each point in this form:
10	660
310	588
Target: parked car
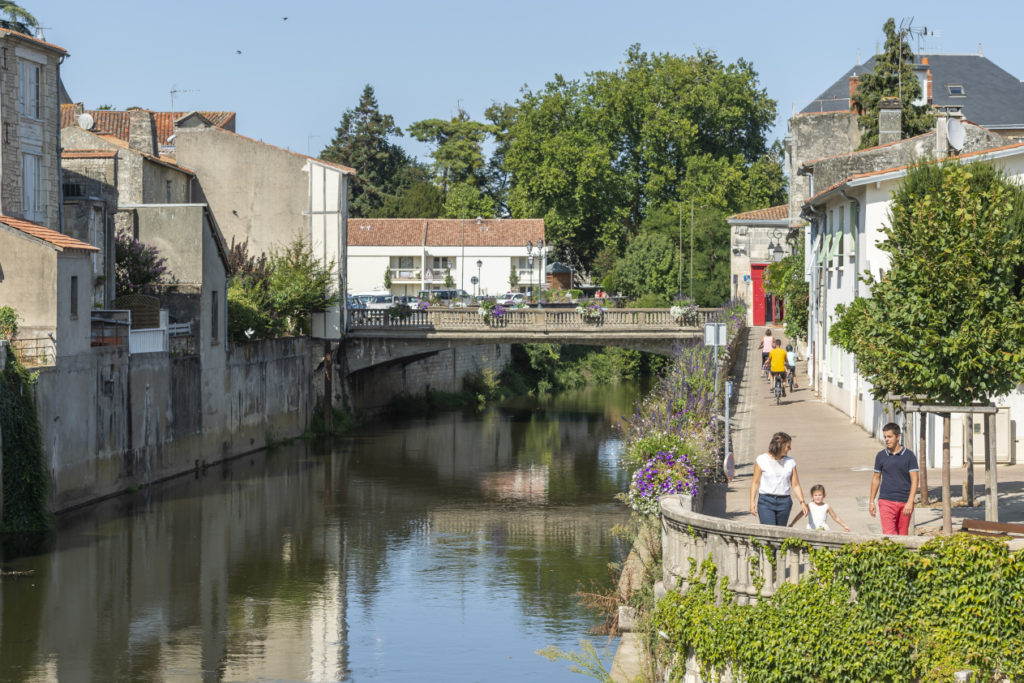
353	302
511	299
379	301
445	294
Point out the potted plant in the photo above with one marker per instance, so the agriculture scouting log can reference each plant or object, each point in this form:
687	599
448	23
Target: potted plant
684	311
492	313
592	314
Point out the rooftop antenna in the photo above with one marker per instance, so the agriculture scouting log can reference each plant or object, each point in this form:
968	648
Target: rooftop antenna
175	91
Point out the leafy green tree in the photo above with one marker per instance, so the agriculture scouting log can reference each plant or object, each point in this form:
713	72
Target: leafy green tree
892	76
18	18
449	281
465	200
785	279
458	148
947	321
420	200
300	284
649	266
513	277
593	156
363	141
496	176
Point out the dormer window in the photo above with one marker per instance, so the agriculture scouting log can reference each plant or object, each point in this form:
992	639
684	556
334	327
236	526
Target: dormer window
955	89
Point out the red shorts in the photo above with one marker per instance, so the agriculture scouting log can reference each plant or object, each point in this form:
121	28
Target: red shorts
890	514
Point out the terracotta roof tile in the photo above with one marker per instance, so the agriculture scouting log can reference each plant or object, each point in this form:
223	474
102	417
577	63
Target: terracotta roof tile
46	234
9	32
772	213
88	153
116	123
443	232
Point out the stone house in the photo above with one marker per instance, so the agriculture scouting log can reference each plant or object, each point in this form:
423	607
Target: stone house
45	276
267	196
759	238
419	253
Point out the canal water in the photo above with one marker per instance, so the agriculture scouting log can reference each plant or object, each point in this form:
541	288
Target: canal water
446	548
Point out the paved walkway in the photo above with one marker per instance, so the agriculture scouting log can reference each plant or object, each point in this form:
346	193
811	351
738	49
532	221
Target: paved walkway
831	451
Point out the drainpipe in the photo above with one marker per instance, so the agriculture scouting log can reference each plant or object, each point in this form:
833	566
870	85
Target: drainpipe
855	229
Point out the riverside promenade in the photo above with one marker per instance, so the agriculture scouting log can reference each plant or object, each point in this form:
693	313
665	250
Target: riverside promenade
831	451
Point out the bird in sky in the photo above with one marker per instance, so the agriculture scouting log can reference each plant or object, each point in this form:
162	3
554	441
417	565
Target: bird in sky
284	18
238	52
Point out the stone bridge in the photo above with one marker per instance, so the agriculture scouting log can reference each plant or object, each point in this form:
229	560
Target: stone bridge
376	338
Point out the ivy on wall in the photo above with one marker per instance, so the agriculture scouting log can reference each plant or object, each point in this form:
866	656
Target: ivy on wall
26	480
868	612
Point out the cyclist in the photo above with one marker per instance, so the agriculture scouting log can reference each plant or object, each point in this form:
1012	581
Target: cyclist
777	364
791	366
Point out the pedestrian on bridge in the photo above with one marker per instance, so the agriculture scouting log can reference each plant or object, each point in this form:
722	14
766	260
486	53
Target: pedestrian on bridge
894	482
774	483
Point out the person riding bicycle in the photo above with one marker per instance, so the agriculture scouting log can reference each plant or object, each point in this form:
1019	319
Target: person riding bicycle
791	366
777	364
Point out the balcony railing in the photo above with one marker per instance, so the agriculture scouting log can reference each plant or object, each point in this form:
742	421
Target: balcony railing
405	274
468	319
35	351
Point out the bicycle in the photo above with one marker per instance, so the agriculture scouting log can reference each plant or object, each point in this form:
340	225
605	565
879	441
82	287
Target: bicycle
777	387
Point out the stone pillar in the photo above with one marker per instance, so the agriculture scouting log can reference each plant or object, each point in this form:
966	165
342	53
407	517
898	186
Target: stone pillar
890	123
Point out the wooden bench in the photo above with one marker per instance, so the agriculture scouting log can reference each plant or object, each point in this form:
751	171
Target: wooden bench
980	527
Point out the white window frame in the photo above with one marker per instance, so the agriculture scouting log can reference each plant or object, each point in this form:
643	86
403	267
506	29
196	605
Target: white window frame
30	76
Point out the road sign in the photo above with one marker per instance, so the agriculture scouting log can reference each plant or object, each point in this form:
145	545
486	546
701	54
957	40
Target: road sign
714	334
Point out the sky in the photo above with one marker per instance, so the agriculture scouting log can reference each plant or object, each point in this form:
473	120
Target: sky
291	69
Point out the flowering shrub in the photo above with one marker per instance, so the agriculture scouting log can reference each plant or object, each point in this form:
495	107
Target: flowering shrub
684	310
399	312
422	305
491	309
666	473
591	311
137	266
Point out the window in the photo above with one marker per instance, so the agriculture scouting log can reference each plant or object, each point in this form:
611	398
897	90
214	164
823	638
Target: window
405	261
214	301
169	195
31	205
442	262
74	297
28	88
955	89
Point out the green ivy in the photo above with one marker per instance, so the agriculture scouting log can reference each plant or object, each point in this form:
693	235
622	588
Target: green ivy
26	480
868	612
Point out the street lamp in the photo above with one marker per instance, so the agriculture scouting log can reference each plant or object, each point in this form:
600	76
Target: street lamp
479	265
775	251
529	258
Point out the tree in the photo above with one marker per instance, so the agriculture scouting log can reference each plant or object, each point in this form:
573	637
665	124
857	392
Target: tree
362	141
458	148
449	281
892	76
17	18
593	156
947	321
785	279
513	277
419	200
138	267
465	200
300	284
649	266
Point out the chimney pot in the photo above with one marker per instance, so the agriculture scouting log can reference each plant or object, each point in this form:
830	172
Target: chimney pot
890	123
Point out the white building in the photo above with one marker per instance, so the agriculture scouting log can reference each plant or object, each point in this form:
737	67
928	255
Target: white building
842	240
419	253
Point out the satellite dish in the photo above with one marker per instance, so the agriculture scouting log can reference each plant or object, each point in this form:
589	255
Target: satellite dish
955	134
85	121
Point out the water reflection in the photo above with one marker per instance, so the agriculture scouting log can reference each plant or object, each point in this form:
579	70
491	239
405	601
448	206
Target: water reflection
445	548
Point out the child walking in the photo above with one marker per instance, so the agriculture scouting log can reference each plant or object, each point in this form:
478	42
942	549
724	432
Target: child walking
818	511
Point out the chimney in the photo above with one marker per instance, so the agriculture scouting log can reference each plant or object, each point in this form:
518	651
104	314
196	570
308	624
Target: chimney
854	82
141	131
941	136
890	124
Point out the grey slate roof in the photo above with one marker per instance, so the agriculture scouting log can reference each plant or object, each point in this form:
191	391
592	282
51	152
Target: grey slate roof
993	97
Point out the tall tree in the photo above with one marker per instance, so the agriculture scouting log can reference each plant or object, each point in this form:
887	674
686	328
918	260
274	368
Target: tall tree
17	17
458	148
363	141
593	156
496	176
892	76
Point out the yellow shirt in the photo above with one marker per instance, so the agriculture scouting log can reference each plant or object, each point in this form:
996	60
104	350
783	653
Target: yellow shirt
777	359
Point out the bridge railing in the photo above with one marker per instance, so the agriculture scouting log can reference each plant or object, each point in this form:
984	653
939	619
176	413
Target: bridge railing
528	318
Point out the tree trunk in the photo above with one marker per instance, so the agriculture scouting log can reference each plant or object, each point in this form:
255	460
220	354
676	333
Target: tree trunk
947	510
922	460
968	493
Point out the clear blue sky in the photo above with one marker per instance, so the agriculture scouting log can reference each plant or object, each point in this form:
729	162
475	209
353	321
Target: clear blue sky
294	78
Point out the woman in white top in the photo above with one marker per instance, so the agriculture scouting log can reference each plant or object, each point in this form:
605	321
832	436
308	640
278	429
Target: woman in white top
774	483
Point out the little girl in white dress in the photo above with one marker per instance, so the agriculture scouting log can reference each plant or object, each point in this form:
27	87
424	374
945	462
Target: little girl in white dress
819	511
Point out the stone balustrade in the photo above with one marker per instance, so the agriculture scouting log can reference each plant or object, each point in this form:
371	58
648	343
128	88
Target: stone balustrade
746	552
533	319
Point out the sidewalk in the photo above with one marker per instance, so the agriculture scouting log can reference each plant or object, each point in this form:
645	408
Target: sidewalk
831	451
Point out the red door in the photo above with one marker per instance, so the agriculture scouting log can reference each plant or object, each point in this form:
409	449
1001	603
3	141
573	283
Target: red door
757	291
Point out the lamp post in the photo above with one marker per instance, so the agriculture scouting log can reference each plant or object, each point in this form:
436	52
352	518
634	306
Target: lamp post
775	251
529	257
479	265
540	272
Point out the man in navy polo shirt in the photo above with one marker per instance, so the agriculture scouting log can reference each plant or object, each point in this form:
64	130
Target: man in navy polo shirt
894	482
